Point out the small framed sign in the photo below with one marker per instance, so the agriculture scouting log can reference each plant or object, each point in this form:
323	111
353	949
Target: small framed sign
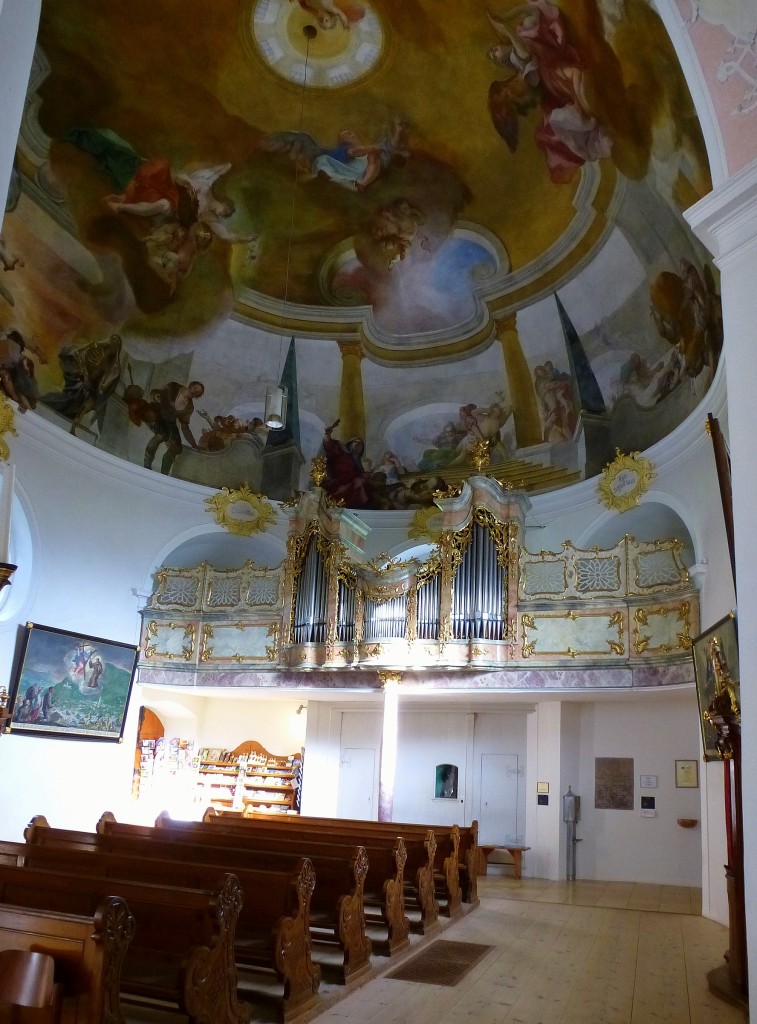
687	774
647	782
542	787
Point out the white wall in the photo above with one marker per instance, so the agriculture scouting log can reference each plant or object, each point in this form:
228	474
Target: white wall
622	845
108	525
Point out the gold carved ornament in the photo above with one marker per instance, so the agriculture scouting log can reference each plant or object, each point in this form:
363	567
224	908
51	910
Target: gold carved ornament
641	615
426	524
242	511
527	622
151	650
387	678
617	646
625	480
7	426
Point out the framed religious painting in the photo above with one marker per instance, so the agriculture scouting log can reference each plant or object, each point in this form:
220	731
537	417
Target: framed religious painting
71	684
716	666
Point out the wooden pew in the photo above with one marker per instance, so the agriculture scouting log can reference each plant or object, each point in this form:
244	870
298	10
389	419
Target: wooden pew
182	951
432	883
88	951
272	933
383	886
456	849
418	872
142	851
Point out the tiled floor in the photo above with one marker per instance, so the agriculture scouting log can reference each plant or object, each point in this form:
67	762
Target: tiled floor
578	953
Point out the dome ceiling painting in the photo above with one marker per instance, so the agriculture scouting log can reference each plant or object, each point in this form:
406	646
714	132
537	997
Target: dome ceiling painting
447	228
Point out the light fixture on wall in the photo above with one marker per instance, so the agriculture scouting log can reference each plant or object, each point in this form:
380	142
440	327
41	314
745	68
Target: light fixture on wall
301	708
277	395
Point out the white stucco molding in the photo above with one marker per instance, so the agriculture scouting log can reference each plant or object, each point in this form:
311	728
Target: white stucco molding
700	94
726	220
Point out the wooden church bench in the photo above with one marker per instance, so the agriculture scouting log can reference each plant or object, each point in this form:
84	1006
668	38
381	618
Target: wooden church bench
182	951
88	950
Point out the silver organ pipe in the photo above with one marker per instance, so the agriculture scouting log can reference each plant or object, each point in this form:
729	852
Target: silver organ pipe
478	590
428	608
385	620
311	601
345	627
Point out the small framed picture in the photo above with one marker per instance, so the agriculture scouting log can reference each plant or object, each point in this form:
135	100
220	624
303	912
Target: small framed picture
542	787
687	774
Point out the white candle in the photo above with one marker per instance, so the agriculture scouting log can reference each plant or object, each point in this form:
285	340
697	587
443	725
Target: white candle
6	503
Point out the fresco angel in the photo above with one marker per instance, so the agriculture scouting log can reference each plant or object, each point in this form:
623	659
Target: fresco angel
547	70
352	163
330	13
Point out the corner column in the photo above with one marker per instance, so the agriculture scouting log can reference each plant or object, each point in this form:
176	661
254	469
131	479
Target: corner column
351	401
528	429
390	684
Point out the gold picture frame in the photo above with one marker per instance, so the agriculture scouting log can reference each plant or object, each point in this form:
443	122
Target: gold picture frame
723	638
625	480
242	511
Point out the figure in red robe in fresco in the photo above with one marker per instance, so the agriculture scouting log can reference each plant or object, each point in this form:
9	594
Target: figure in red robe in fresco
347	479
546	69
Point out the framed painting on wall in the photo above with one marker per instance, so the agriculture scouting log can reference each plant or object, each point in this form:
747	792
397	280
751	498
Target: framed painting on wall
71	684
716	664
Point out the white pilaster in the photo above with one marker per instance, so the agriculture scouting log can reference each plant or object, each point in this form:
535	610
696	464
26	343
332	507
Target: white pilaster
726	222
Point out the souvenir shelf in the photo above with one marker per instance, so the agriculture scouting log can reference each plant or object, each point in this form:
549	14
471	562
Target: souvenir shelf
249	777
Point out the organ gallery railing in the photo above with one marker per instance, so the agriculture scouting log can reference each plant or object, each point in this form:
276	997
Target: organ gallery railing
480	599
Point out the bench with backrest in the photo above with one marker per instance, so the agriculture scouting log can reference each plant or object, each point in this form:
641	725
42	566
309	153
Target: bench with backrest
420	850
88	950
181	954
336	909
272	937
335	912
383	886
444	870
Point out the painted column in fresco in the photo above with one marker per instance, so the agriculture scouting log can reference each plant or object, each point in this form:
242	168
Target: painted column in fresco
390	683
526	418
351	402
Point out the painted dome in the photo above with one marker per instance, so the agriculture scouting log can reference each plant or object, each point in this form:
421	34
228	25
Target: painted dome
451	234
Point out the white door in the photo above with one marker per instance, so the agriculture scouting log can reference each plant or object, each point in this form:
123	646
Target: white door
357	770
498	820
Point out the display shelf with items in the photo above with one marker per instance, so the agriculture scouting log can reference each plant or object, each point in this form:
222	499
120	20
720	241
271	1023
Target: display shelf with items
249	777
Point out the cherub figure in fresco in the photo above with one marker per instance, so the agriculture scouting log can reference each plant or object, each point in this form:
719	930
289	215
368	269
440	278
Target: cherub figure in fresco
330	13
395	227
173	249
17	372
546	69
352	163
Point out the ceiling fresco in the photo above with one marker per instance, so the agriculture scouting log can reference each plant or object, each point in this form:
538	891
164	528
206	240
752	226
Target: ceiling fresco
450	230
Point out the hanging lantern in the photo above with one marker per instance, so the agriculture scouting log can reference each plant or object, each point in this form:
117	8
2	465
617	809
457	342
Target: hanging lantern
275	407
